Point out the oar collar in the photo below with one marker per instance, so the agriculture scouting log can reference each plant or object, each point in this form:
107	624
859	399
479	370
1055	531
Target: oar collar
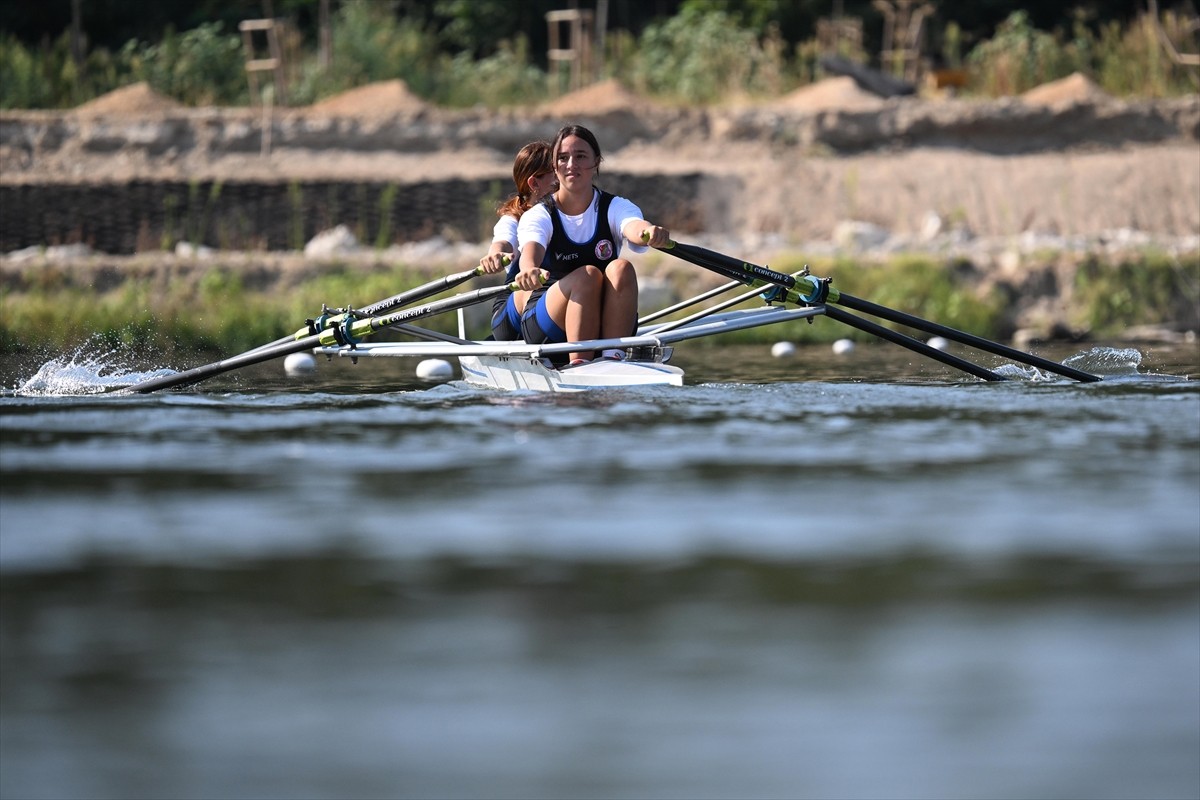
820	292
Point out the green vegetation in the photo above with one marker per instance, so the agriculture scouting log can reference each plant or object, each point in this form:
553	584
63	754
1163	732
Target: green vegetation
212	312
1113	296
708	52
699	57
1121	61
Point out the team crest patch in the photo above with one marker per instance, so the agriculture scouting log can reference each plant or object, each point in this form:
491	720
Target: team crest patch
604	249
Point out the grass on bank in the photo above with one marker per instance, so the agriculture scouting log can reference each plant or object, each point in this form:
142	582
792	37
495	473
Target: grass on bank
211	313
216	312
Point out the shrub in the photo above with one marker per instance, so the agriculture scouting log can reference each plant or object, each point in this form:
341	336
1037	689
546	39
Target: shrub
201	66
703	57
1150	289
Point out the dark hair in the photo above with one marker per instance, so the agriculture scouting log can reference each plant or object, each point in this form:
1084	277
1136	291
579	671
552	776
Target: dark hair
535	158
582	133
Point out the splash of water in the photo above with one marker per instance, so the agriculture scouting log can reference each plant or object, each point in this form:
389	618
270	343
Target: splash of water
1022	372
84	372
1108	361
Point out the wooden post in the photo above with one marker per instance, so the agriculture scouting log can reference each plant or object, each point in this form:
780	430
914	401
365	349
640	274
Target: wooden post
577	50
274	64
902	22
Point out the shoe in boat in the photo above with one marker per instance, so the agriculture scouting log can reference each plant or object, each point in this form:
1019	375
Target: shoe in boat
614	355
578	362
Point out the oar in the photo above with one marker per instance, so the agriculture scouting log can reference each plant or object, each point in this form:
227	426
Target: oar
916	345
732	267
853	321
752	274
963	337
383	306
349	332
422	291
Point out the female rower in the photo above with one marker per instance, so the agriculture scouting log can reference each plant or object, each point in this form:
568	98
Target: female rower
575	235
533	175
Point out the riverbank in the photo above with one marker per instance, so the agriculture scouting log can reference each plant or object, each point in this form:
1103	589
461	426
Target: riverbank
220	303
1010	197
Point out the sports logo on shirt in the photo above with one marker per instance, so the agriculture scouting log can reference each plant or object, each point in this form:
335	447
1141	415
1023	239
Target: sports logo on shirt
604	249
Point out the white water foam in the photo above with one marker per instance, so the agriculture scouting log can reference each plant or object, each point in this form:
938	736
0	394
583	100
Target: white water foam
84	372
1108	361
1104	362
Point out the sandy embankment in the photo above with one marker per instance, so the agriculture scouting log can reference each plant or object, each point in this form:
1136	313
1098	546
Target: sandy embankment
829	168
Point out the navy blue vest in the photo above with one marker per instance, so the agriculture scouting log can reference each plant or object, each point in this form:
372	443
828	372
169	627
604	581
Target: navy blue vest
564	256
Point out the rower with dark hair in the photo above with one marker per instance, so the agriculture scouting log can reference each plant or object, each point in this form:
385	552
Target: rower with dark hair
576	235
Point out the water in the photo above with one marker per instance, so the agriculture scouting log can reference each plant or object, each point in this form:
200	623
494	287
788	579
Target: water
816	577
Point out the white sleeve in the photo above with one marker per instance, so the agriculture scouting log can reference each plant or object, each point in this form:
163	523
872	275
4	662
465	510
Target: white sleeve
620	213
506	230
535	226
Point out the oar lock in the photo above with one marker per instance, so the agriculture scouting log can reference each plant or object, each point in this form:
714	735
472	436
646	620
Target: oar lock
338	321
784	294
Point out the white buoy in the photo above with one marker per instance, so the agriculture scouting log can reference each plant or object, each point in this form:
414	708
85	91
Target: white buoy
783	349
843	346
435	369
938	343
300	364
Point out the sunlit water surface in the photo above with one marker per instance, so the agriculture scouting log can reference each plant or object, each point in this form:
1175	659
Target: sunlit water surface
822	577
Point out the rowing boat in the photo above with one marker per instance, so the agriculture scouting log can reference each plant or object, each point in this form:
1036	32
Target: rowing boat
339	333
517	365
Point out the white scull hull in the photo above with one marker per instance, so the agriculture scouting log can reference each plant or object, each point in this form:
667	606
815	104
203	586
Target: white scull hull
517	372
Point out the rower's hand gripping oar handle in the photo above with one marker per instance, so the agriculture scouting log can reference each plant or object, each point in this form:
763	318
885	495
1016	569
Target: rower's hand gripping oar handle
505	260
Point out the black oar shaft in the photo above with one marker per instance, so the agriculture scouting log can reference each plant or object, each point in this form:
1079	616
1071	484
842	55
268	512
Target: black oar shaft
727	265
917	346
419	292
439	306
197	374
892	315
396	301
358	328
746	272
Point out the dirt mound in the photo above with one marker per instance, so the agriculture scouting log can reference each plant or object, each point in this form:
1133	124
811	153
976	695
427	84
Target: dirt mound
373	100
1075	88
136	98
831	94
599	98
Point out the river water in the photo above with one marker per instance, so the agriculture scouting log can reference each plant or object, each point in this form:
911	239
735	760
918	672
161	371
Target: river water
817	577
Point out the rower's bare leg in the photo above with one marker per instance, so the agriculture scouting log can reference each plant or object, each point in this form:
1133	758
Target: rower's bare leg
574	305
620	300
